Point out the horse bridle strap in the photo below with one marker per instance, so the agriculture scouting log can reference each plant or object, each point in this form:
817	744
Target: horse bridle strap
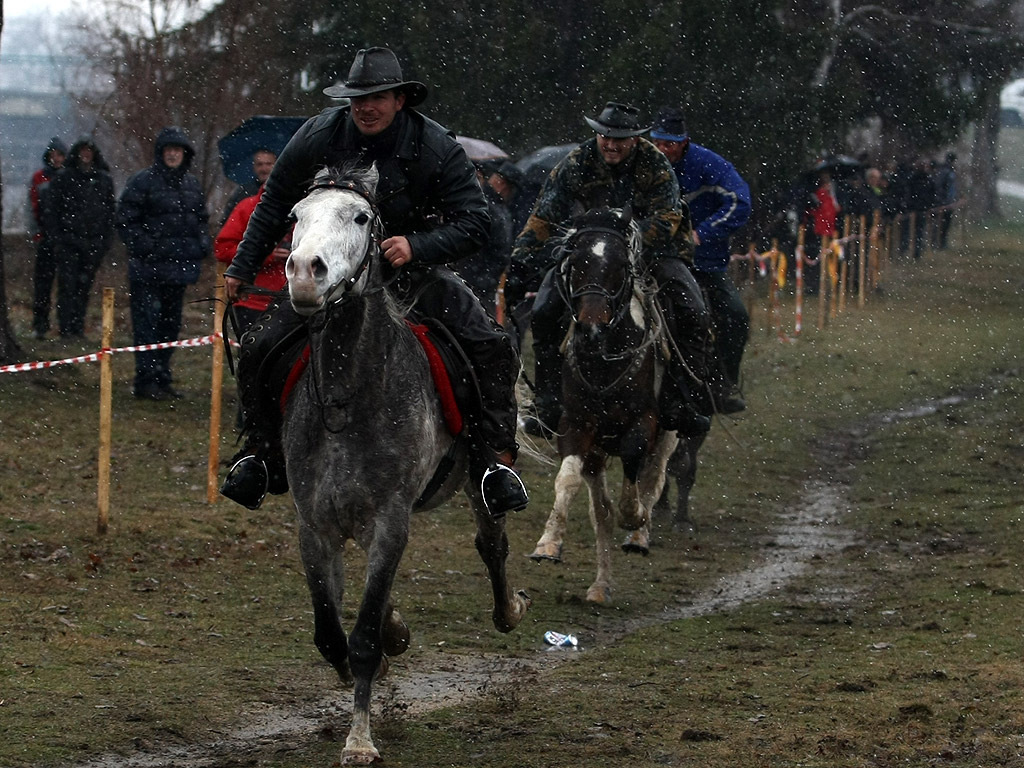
372	246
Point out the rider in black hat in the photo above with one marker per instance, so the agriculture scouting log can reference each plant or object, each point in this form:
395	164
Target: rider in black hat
616	168
433	213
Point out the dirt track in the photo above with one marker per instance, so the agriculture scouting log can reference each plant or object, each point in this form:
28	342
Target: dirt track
799	540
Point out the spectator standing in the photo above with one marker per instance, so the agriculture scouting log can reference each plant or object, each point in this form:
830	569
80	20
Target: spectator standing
510	183
483	270
719	203
79	214
269	279
947	193
920	201
45	268
163	220
263	161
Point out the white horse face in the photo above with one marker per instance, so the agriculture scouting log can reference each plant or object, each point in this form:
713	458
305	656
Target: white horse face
333	232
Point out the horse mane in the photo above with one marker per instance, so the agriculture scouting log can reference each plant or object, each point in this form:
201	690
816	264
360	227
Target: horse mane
359	179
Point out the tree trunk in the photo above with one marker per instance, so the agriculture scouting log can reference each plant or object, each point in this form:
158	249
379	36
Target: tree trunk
8	346
983	201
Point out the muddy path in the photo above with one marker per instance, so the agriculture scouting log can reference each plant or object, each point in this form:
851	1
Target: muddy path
801	539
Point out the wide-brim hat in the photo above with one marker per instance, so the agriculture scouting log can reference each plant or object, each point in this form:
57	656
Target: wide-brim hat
375	70
670	125
617	121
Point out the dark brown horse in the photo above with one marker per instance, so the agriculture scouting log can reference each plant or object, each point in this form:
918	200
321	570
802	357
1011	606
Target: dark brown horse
611	375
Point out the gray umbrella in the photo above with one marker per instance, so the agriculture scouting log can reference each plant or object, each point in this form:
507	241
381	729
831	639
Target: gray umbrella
538	164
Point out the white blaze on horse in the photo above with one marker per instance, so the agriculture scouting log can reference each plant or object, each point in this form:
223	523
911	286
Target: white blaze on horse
363	433
611	376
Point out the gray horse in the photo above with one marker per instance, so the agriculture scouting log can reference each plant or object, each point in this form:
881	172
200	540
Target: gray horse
363	433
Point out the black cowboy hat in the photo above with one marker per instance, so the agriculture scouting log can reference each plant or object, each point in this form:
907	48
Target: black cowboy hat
375	70
617	121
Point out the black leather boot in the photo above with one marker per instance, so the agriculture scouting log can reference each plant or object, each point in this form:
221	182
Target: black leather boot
503	490
256	470
547	393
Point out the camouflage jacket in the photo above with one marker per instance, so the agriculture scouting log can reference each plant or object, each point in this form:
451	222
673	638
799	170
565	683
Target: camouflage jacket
646	181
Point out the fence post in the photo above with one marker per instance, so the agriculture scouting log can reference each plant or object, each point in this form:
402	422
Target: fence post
106	394
798	289
216	388
862	258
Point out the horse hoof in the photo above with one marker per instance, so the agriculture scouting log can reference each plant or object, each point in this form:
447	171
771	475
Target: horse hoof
552	552
638	541
599	595
382	668
519	605
396	637
359	756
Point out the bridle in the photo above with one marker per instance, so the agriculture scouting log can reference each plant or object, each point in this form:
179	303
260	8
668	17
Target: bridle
619	300
346	284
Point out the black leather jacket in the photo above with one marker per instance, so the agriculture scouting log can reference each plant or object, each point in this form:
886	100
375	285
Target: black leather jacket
427	191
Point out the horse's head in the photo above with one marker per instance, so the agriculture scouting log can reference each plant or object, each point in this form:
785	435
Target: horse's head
335	237
601	250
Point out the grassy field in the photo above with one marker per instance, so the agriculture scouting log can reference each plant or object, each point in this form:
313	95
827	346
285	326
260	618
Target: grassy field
901	649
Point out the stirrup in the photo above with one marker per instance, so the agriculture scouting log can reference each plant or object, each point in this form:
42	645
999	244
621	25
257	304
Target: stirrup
503	491
246	482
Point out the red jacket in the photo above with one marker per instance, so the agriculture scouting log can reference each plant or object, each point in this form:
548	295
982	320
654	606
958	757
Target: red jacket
271	275
826	212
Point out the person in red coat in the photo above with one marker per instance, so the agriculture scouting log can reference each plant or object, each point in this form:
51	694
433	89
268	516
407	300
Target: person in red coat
271	275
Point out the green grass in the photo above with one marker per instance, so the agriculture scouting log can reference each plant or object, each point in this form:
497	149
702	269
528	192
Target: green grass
900	650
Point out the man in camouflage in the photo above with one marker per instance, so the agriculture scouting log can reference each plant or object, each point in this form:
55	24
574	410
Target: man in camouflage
616	168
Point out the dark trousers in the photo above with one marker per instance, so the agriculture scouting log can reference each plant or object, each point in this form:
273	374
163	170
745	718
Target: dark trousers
156	317
43	275
76	270
730	320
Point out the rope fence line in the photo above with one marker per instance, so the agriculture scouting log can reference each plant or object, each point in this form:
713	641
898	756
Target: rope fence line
93	357
104	357
852	263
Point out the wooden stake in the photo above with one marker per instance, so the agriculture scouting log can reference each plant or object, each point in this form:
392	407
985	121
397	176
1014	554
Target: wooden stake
106	393
216	388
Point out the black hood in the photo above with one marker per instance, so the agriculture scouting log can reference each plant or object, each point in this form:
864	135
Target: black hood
99	163
55	143
173	135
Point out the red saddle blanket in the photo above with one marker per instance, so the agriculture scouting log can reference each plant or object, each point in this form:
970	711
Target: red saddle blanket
449	406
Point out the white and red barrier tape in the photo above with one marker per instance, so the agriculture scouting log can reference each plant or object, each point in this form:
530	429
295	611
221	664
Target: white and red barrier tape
199	341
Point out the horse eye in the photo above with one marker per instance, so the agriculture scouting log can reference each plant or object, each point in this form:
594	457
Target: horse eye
362	218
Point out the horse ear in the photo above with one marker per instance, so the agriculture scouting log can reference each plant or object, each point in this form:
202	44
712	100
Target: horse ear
627	213
577	210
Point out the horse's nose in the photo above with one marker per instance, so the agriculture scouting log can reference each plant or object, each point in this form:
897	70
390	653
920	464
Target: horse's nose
299	267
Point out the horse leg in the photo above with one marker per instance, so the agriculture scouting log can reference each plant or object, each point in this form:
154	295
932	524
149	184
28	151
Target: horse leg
366	649
325	576
602	517
635	451
492	545
567	484
685	460
650	485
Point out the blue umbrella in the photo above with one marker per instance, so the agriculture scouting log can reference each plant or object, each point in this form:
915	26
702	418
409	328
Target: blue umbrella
258	132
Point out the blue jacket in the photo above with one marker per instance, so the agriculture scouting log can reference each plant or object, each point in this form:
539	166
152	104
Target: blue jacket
163	220
719	201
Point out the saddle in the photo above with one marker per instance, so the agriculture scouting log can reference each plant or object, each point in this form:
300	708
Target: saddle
450	370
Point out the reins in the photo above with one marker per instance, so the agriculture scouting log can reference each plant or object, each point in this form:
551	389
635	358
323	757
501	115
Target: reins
619	300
